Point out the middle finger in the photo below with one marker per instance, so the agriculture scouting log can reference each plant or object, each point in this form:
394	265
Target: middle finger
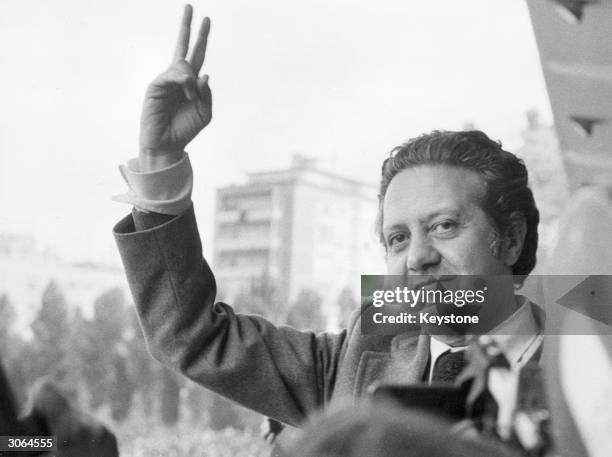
199	49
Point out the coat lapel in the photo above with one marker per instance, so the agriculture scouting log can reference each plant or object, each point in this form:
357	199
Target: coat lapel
404	364
409	357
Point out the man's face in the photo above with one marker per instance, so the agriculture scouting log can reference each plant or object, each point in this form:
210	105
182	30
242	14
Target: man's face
433	225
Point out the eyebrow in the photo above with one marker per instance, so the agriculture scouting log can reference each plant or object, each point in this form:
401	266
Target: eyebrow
403	226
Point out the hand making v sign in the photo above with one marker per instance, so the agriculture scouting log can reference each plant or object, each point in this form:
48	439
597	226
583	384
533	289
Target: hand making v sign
178	103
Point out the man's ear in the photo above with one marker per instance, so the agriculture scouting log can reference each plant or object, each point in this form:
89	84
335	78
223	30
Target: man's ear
515	239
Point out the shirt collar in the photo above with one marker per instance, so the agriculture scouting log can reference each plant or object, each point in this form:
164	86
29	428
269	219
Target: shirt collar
519	336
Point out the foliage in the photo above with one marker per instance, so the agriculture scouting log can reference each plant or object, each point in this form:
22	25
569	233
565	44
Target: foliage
103	365
261	298
305	312
223	414
7	319
170	397
346	306
51	330
140	436
97	343
122	388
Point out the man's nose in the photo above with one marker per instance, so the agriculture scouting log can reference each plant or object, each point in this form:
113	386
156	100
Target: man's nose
422	255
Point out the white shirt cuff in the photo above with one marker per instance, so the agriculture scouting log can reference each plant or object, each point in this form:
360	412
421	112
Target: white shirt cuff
165	191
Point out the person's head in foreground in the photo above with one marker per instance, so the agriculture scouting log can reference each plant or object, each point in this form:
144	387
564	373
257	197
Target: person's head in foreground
384	429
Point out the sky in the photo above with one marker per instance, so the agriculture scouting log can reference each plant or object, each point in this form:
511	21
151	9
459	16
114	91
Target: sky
343	81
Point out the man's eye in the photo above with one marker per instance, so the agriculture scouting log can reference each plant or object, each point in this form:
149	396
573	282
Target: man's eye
444	227
396	239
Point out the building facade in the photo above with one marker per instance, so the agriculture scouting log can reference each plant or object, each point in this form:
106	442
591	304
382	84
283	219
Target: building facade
303	228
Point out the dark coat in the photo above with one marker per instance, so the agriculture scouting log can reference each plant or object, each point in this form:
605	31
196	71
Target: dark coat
280	372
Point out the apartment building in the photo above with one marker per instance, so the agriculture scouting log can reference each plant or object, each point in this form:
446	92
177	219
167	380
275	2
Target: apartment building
304	228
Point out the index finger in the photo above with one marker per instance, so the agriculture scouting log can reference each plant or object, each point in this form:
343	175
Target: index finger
182	45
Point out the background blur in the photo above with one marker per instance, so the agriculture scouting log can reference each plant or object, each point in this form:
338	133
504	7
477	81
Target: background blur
306	96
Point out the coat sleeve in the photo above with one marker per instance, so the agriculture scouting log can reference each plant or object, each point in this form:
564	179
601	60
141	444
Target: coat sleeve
277	371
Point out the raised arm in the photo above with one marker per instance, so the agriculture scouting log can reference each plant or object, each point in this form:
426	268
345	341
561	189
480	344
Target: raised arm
278	371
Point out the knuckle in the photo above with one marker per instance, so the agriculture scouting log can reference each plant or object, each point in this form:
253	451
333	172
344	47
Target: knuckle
183	66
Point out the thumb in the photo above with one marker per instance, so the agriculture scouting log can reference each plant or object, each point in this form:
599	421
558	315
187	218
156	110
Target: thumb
205	101
202	85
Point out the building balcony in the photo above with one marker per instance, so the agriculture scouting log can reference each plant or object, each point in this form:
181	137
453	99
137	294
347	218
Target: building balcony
246	216
229	272
245	245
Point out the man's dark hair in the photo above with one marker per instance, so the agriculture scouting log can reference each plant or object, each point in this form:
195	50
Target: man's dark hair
507	198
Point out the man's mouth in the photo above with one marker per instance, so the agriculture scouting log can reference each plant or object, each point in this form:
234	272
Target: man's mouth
429	282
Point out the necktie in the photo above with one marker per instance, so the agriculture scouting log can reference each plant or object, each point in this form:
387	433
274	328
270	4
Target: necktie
448	366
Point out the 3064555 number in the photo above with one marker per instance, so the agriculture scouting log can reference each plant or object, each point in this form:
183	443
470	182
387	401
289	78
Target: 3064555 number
27	443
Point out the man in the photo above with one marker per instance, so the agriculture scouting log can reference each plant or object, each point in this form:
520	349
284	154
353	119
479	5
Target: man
451	203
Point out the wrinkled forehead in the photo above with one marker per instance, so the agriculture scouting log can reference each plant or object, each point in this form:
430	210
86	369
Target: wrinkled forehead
421	192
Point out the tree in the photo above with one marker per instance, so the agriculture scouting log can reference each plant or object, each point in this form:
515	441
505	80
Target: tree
223	414
143	369
262	298
306	312
93	363
170	397
198	401
346	306
75	364
97	343
51	331
7	319
122	388
11	349
110	315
